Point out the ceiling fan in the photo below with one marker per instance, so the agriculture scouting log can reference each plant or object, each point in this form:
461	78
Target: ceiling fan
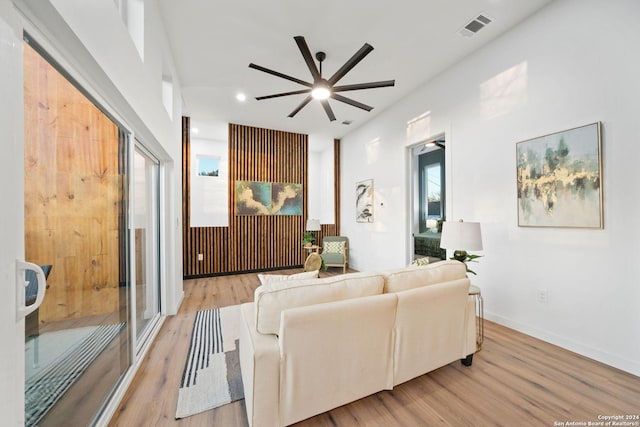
321	88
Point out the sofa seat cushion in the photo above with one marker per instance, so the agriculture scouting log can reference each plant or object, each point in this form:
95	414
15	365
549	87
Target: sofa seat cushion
332	258
417	276
271	302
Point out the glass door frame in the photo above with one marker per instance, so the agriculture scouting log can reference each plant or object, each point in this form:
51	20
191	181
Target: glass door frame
139	342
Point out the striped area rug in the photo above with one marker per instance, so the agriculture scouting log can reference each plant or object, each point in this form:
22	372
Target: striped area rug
45	388
211	376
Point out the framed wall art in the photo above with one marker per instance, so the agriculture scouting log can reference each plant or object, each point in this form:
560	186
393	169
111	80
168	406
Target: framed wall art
268	198
364	201
559	179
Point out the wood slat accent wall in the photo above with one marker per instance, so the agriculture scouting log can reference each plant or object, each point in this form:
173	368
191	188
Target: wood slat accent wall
73	194
250	243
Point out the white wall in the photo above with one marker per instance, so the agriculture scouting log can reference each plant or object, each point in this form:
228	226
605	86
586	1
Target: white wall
571	64
321	185
327	187
12	229
314	198
209	196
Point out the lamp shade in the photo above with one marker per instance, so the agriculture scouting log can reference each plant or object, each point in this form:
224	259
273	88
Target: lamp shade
313	225
464	236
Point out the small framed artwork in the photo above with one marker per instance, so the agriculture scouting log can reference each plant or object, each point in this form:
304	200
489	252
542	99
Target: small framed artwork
364	201
208	166
559	179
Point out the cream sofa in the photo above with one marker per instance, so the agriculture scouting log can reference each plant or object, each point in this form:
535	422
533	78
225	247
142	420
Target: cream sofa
310	345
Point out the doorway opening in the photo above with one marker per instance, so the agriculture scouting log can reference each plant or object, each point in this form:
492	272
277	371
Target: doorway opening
428	198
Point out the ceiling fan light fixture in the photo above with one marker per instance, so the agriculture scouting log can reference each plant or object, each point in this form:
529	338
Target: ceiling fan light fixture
320	92
321	89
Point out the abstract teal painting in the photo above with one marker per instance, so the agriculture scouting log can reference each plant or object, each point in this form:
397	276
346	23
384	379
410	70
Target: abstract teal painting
559	179
286	199
268	198
253	198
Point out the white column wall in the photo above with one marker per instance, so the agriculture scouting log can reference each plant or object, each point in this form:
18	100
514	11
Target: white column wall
321	188
571	64
12	219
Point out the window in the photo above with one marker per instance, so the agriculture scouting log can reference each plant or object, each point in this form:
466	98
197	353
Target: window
432	207
132	13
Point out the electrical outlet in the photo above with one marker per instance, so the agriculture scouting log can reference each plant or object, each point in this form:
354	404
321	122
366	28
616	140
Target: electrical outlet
200	257
542	295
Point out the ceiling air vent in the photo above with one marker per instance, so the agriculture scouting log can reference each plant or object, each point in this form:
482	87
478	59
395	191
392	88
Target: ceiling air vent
476	24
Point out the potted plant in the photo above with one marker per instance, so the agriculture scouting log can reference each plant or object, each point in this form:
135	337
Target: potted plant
308	238
466	258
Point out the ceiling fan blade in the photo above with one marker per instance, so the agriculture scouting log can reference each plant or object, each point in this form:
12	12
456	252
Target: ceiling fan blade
351	102
301	106
352	62
371	85
278	95
328	110
306	54
277	74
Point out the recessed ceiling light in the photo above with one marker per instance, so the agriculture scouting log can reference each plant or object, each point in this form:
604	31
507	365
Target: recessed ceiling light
241	97
195	130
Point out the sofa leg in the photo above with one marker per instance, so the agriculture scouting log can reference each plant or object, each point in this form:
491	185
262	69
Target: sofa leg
467	360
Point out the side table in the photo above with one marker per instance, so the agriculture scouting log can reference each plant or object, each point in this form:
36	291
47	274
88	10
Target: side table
312	248
474	292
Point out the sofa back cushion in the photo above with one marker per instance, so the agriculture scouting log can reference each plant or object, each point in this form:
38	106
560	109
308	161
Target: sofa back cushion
415	277
271	300
268	279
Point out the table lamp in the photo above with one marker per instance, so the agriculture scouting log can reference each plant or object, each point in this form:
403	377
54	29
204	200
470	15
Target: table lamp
461	237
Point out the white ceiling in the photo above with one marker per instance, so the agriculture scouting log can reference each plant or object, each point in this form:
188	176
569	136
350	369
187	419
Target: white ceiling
213	42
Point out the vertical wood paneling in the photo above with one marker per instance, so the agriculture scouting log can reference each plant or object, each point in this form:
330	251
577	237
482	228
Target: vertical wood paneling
249	242
73	193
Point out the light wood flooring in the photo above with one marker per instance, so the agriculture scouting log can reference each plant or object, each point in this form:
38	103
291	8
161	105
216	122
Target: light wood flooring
515	380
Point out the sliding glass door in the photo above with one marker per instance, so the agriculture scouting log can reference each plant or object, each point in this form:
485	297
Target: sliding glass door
146	216
78	342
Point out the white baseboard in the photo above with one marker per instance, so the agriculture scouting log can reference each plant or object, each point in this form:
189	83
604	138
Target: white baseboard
176	307
613	360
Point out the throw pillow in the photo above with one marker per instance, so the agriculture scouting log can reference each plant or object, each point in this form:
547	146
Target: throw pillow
420	261
266	279
333	248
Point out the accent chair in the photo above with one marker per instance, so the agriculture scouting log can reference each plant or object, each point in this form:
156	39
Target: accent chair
335	252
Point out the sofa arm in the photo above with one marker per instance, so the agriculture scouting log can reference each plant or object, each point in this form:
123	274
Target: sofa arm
470	329
260	366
